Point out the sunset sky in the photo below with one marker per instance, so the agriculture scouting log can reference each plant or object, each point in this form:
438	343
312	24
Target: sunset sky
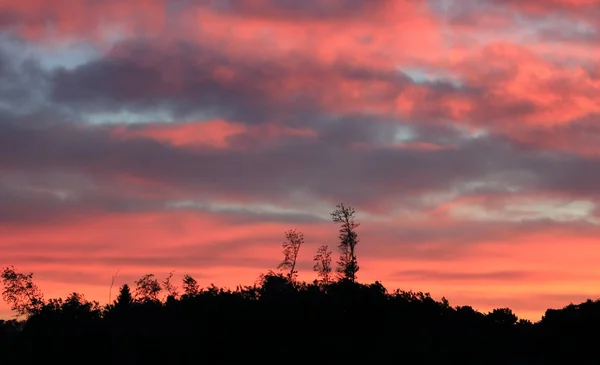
188	135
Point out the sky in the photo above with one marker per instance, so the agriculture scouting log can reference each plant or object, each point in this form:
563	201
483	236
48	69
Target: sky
151	136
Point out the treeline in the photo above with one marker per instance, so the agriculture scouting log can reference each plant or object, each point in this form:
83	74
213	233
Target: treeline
280	319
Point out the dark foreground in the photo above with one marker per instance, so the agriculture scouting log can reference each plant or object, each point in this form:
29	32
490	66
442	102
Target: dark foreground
281	322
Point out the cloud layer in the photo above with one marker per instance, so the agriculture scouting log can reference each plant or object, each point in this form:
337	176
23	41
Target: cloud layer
151	136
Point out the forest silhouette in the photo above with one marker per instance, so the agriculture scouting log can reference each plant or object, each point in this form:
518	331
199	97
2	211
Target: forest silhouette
280	319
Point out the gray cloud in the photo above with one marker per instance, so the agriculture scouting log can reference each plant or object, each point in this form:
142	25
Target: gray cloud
23	84
184	80
312	165
322	167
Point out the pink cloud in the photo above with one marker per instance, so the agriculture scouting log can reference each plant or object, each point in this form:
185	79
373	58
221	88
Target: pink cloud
217	133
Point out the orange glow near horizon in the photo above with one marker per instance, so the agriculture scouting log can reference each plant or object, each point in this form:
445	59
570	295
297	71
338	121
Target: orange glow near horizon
152	136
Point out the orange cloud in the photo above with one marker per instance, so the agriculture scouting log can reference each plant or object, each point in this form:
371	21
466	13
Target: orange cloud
216	134
212	133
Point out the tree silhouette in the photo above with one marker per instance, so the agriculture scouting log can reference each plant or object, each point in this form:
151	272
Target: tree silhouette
124	299
291	247
23	296
147	289
76	307
347	263
170	289
503	316
323	264
190	286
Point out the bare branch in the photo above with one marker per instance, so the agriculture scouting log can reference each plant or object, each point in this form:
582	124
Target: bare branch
291	248
112	283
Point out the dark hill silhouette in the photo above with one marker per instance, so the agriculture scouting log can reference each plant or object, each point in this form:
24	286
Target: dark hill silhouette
280	319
